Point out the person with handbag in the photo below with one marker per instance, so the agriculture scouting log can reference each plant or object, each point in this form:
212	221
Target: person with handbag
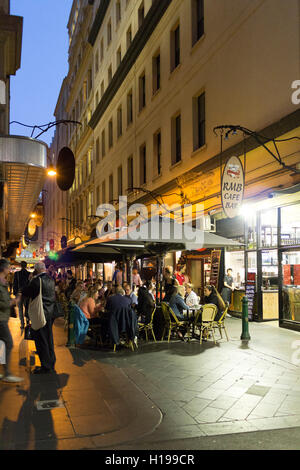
41	311
5	335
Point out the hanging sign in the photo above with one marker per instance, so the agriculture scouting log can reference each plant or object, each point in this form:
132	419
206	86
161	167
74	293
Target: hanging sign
232	187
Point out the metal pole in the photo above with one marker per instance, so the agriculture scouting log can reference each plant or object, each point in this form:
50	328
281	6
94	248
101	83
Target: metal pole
245	336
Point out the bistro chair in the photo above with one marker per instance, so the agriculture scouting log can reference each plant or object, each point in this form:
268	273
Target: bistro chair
171	321
220	324
208	314
148	327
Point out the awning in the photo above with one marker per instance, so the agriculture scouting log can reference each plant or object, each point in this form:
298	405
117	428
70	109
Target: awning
23	162
159	235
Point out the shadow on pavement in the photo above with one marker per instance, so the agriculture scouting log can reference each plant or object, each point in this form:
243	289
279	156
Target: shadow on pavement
32	425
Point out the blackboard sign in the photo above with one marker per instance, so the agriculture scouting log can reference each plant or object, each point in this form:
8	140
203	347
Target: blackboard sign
215	267
250	293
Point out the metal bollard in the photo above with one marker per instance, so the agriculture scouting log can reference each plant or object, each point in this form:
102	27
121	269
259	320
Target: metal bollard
245	322
71	334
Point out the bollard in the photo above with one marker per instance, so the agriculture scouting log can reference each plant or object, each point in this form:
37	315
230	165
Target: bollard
71	334
245	323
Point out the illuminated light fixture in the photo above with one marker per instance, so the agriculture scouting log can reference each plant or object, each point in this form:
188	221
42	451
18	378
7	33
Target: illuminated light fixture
51	171
33	215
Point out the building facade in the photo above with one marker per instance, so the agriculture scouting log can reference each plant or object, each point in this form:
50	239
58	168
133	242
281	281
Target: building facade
150	80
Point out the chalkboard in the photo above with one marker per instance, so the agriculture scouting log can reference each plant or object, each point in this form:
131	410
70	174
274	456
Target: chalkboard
250	293
215	267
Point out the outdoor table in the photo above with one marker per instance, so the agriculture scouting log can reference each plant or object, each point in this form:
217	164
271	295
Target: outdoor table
193	310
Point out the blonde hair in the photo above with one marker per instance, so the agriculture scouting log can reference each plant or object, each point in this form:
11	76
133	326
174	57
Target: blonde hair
188	284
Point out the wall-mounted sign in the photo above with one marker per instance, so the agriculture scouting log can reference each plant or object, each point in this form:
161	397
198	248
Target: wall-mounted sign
232	187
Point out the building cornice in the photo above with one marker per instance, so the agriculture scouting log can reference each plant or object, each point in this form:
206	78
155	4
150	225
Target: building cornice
99	18
141	38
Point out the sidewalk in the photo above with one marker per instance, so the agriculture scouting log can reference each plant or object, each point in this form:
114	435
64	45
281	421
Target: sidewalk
98	405
155	397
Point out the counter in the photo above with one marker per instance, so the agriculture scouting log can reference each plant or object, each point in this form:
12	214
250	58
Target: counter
269	304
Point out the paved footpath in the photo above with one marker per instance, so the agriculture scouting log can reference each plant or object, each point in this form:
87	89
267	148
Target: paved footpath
172	396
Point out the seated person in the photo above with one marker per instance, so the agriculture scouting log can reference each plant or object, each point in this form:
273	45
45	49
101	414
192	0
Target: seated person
191	297
89	307
121	317
109	291
211	297
177	303
131	295
145	305
181	291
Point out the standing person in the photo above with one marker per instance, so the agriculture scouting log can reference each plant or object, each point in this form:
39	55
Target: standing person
228	287
180	275
44	336
21	280
10	280
5	336
136	278
131	295
145	305
71	282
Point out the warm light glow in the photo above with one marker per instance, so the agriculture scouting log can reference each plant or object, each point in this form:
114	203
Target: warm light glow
33	215
51	172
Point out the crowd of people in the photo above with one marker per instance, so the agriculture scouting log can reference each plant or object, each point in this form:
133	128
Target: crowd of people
107	304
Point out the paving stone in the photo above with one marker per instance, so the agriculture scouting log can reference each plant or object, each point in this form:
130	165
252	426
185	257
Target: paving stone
209	415
258	390
195	406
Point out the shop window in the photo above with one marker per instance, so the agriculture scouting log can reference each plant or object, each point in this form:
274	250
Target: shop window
268	227
291	285
269	269
251	231
290	225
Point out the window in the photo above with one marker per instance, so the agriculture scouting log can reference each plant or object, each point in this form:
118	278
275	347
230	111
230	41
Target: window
120	181
199	121
156	72
98	196
90	82
97	62
176	139
103	193
129	108
130	173
102	88
111	189
143	165
119	122
157	152
119	57
142	92
110	134
97	149
109	34
101	50
129	37
103	143
118	12
109	74
197	20
175	48
141	14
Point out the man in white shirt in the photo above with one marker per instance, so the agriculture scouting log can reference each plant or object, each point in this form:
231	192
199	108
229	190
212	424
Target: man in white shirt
191	298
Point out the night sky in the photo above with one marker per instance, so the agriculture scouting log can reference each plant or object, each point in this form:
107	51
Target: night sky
44	63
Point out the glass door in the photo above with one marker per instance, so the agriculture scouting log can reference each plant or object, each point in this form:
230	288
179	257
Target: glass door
290	289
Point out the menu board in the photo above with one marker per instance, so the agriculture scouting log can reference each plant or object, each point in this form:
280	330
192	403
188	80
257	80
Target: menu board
215	267
250	293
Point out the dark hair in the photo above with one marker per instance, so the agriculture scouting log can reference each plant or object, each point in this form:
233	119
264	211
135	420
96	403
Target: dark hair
173	291
210	288
229	269
3	264
23	264
70	272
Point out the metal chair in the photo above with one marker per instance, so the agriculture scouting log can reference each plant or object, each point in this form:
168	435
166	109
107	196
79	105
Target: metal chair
220	324
208	314
171	321
148	327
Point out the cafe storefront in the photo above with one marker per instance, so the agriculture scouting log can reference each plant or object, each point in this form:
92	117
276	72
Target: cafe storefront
267	270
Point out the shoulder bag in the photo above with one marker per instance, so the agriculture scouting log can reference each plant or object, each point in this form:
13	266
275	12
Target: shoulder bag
36	311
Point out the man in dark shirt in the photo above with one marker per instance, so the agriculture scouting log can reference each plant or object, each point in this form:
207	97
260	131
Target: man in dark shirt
21	280
228	287
44	337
